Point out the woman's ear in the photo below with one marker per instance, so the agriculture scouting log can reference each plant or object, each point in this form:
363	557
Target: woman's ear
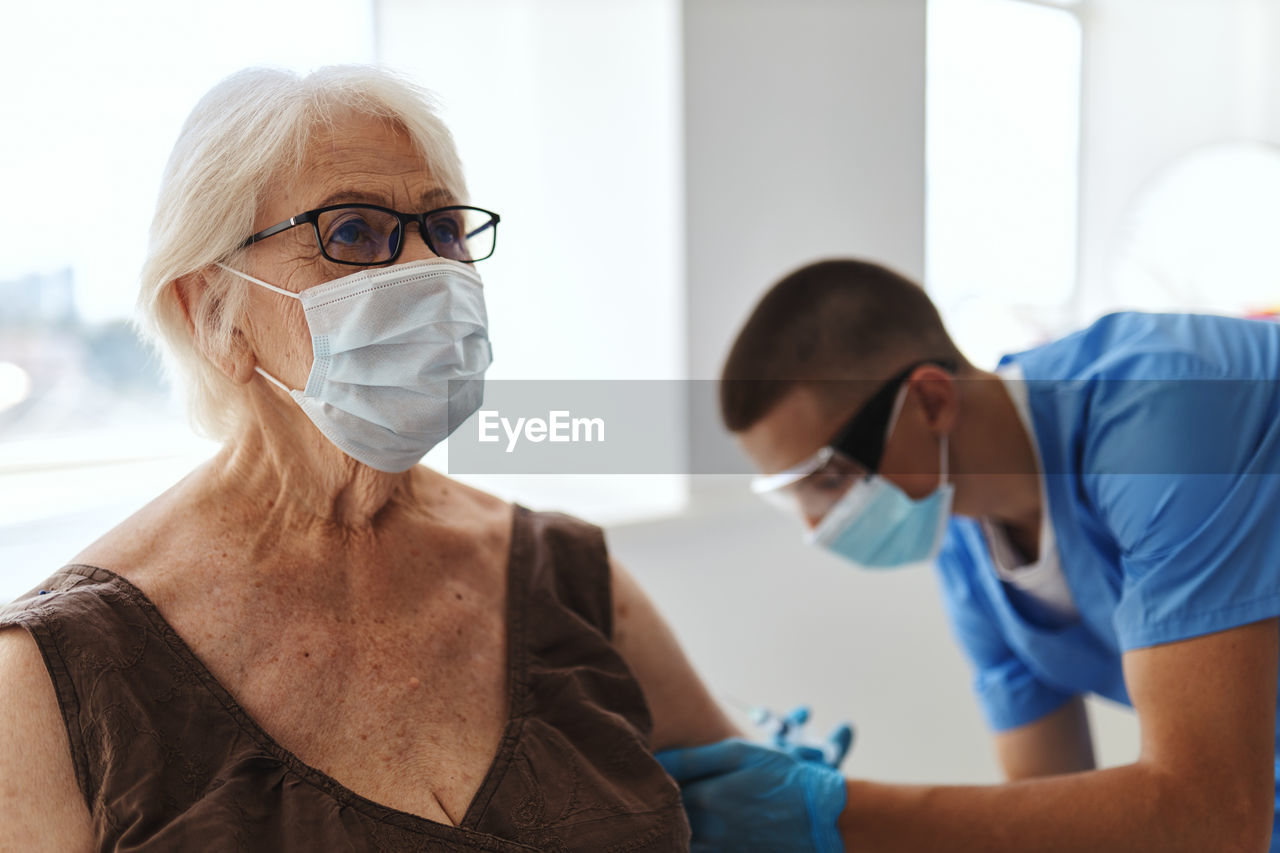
234	357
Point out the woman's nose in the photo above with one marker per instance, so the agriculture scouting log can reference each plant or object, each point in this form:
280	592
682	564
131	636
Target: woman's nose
416	247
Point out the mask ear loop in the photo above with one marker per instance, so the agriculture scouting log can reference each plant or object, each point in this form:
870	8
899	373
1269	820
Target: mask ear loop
944	443
258	281
898	403
285	388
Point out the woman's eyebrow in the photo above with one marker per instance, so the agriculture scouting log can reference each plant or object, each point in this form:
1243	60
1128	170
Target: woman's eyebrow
353	197
438	197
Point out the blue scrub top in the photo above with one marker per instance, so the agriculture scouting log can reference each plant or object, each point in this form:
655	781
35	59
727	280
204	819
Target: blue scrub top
1159	440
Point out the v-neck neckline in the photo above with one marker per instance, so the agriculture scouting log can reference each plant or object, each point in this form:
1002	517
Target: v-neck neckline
517	688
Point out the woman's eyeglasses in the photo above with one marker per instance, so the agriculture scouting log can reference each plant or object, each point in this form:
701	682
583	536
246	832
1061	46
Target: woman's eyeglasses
368	235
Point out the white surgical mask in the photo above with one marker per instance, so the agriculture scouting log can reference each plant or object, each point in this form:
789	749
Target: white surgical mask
399	358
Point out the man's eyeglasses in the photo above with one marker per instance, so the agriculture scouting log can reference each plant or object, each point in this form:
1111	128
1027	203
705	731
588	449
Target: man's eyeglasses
368	235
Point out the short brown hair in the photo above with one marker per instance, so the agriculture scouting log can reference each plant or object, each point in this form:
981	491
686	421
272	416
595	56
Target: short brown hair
831	320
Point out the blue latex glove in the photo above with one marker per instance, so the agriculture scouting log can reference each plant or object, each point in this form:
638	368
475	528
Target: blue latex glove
790	736
743	797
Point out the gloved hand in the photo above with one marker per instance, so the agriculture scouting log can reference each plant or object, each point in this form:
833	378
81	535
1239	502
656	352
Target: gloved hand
789	736
743	797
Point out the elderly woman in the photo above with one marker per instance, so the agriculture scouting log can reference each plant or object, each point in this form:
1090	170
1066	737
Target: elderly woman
312	642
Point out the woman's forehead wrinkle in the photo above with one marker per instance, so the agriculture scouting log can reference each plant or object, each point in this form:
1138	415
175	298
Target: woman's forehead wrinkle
378	167
359	162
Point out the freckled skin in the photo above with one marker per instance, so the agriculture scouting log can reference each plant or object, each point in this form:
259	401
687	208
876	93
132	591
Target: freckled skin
322	594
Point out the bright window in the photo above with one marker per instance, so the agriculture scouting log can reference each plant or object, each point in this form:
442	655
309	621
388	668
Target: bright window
98	93
1002	176
1201	235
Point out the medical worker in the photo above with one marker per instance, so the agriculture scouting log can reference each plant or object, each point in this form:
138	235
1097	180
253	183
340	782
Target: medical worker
1105	515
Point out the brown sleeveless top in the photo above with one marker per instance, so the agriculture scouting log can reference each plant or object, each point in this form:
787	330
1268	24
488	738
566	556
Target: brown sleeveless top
167	760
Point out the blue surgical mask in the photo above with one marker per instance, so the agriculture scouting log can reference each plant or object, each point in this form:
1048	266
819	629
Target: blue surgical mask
878	526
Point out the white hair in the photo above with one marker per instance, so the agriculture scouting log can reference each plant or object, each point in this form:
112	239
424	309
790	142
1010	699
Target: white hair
247	131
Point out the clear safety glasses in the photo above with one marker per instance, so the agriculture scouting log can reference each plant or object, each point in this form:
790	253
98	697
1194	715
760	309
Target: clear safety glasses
815	485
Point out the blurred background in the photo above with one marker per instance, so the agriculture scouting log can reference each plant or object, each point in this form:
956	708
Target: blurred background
657	165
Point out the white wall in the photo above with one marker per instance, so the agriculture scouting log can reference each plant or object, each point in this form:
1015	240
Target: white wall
1162	78
1266	29
768	620
804	137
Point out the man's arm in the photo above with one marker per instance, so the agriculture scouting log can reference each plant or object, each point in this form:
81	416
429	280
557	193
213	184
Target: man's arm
41	807
684	713
1204	779
1057	743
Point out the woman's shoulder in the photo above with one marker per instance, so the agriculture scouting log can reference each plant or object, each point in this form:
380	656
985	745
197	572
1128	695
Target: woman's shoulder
544	533
559	529
149	536
79	618
565	558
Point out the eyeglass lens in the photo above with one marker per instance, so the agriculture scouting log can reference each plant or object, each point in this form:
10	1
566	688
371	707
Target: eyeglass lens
367	235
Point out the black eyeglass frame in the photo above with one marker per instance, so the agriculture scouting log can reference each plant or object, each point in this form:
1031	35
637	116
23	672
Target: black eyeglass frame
862	437
312	216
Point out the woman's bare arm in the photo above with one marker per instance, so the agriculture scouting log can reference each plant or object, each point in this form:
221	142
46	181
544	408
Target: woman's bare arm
41	807
684	714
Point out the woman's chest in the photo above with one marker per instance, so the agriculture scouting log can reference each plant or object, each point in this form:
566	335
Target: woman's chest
403	704
415	730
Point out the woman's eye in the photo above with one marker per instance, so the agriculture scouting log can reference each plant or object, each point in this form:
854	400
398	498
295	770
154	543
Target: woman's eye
350	232
445	232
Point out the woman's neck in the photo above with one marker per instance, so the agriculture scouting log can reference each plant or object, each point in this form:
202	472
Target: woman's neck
293	473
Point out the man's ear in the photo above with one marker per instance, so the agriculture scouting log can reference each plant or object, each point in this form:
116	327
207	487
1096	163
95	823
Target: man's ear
198	303
939	396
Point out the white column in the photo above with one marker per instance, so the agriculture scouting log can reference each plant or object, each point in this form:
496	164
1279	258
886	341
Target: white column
803	139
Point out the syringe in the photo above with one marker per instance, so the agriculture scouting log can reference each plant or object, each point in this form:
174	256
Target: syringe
792	732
